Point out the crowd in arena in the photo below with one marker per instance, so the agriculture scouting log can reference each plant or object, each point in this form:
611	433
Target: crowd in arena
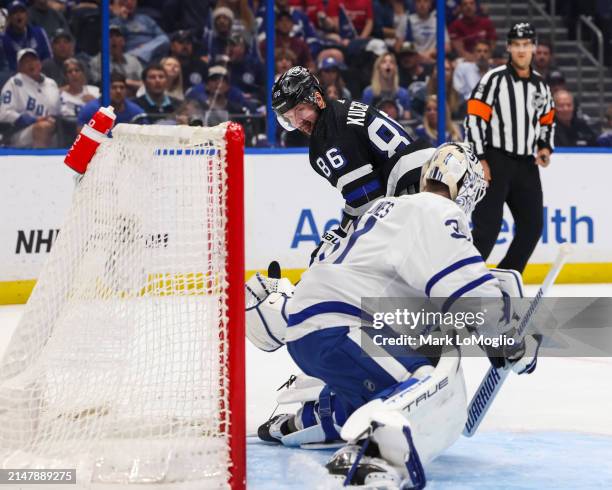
203	62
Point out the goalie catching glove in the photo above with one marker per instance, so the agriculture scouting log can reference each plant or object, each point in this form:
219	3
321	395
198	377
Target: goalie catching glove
266	318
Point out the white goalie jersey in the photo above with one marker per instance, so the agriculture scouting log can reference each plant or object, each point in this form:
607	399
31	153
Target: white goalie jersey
410	246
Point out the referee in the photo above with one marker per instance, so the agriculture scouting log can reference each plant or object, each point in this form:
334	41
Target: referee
510	123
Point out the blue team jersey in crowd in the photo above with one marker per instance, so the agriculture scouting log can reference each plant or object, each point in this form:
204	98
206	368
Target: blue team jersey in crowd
88	110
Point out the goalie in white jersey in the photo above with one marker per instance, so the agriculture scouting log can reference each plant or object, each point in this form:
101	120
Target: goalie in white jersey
29	103
370	398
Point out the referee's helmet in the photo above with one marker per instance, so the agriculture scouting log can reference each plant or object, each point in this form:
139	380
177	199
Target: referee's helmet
522	30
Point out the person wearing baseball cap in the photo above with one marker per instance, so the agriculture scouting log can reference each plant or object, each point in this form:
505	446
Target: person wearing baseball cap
330	73
217	93
183	48
30	102
122	63
62	48
20	34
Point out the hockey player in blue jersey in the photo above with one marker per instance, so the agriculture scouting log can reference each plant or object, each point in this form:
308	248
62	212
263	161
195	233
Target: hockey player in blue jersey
408	246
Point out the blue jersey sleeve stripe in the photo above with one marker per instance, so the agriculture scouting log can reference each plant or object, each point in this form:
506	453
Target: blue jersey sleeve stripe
465	289
325	307
362	191
451	268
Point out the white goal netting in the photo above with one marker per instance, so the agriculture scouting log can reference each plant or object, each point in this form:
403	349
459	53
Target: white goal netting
118	367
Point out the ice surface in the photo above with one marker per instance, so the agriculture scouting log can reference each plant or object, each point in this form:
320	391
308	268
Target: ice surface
492	461
552	429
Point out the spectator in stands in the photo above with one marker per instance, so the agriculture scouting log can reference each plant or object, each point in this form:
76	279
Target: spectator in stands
125	109
390	21
428	131
218	86
193	69
351	18
215	40
605	138
244	20
571	130
284	59
385	85
121	62
453	99
499	56
468	73
543	60
216	96
190	112
409	66
310	7
246	70
5	72
390	108
41	14
86	26
76	93
556	81
283	39
155	101
470	28
453	10
62	48
330	73
30	102
303	27
190	15
172	67
20	34
143	37
422	31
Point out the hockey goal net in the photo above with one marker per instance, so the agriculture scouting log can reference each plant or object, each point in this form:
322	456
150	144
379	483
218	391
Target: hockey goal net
128	363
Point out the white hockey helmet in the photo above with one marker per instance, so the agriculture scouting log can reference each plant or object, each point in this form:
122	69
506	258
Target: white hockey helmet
456	165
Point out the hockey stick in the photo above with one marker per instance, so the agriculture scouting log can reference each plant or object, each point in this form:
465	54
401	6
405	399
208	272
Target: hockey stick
494	379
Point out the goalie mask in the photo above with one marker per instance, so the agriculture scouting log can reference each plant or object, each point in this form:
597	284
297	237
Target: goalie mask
295	86
456	165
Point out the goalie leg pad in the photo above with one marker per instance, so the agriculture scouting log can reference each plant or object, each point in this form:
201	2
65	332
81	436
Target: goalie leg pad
317	421
433	406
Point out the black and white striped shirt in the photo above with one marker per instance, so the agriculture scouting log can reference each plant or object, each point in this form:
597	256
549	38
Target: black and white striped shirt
510	113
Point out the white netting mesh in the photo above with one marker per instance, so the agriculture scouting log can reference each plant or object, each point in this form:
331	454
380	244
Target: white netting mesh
117	366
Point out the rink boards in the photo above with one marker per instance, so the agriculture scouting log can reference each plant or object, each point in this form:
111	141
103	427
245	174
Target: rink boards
288	206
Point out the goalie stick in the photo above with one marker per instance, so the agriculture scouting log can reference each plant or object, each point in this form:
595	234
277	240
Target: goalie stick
494	379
